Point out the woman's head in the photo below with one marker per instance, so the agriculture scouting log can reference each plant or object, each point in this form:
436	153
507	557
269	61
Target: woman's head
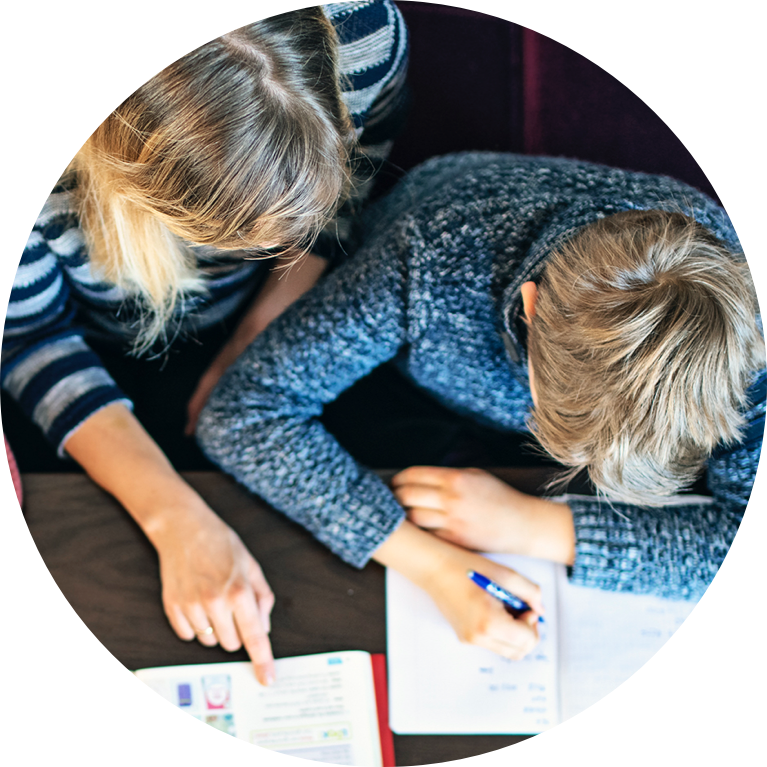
644	341
241	144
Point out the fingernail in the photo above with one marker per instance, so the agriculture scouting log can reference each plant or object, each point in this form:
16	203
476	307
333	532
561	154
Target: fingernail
265	675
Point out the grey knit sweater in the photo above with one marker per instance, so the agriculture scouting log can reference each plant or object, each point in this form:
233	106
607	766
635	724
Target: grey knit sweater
436	287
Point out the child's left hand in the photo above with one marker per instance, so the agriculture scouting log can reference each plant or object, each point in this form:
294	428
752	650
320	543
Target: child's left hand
478	511
465	506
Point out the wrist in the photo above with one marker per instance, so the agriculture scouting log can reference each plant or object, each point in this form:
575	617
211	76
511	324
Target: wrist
518	535
167	509
551	533
415	553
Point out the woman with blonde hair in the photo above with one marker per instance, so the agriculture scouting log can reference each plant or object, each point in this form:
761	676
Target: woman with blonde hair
215	194
609	313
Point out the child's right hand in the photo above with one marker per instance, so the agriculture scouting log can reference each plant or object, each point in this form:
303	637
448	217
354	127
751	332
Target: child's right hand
440	568
480	619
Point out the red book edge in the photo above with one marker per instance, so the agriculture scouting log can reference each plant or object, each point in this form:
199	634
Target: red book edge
15	476
378	661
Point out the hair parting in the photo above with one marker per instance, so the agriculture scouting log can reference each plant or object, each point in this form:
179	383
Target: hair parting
242	144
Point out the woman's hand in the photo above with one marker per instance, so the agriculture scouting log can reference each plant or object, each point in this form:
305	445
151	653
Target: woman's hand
478	511
212	587
211	581
441	568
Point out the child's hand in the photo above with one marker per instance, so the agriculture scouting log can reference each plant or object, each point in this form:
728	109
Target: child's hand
440	568
478	511
465	506
480	619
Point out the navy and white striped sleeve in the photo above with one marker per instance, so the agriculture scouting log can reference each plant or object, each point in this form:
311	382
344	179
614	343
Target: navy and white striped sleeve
373	57
47	366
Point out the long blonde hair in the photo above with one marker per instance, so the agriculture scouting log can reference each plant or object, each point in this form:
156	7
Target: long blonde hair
643	346
242	143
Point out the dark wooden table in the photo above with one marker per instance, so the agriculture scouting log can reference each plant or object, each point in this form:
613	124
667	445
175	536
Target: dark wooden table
108	571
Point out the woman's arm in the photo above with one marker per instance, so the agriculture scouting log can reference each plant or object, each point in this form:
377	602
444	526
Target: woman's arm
379	116
47	367
59	382
208	576
287	282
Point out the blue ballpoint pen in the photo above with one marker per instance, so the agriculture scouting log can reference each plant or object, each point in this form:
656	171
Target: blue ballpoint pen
513	604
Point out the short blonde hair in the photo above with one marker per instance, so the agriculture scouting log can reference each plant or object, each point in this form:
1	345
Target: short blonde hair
643	346
242	143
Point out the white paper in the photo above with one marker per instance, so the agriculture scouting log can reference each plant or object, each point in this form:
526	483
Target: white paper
605	637
591	642
320	707
439	686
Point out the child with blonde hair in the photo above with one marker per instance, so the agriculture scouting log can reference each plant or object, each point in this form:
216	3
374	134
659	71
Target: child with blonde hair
609	313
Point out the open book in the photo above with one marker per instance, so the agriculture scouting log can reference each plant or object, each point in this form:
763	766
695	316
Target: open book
329	707
591	642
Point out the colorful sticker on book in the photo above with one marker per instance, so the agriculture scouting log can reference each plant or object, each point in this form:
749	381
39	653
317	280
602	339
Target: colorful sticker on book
184	694
223	722
217	689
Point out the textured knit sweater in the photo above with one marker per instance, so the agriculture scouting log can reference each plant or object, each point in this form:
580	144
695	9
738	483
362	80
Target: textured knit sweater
436	288
57	301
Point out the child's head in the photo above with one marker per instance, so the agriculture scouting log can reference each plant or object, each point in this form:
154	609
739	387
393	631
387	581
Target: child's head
643	345
241	144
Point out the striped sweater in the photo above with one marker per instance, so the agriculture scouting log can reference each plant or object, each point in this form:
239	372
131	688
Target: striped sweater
57	300
435	287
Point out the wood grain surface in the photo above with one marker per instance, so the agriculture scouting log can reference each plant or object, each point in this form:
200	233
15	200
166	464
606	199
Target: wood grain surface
108	572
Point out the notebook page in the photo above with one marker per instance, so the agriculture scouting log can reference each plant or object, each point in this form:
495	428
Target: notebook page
605	637
439	686
321	707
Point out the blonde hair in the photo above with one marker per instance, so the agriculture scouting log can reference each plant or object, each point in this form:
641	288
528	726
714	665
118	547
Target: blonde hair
643	345
242	143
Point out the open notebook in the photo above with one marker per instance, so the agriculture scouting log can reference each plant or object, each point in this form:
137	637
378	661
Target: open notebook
591	642
329	707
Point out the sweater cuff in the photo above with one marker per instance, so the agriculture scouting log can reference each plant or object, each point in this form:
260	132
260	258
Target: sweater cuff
607	555
59	384
356	524
671	551
76	417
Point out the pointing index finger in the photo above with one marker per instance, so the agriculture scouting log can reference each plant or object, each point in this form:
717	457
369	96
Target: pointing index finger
252	631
